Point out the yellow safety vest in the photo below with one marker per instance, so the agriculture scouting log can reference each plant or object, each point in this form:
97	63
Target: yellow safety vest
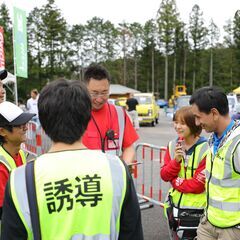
7	160
223	185
190	200
79	195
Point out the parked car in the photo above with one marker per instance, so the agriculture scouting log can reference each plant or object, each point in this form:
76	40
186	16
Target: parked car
112	101
148	110
232	104
121	101
162	103
236	116
181	101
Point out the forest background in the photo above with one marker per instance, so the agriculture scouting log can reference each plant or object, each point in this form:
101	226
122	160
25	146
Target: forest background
150	57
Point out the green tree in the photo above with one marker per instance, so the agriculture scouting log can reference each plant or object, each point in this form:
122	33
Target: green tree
147	58
110	36
6	23
198	36
35	45
77	51
214	34
94	40
137	36
125	36
236	37
179	53
152	57
185	52
229	42
54	31
167	20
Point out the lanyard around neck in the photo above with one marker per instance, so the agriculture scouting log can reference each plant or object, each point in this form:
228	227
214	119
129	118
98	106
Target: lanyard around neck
102	137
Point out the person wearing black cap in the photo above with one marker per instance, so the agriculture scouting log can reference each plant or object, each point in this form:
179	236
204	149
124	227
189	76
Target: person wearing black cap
12	133
3	75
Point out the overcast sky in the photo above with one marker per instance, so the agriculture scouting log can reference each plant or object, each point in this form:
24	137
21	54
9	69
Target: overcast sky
117	11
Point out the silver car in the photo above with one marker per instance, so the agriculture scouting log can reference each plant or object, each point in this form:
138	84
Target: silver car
181	101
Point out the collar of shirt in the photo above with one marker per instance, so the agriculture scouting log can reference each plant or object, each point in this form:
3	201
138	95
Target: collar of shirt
217	140
191	149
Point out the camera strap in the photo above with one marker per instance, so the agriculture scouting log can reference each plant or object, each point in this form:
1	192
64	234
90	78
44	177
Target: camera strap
101	137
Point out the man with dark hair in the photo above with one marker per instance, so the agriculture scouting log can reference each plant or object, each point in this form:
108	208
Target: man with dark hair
12	134
131	107
109	129
70	192
222	214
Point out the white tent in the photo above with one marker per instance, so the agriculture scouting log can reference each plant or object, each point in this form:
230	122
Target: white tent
10	79
11	83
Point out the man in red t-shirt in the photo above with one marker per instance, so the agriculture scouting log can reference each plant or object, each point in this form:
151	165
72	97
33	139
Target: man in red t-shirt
12	133
110	128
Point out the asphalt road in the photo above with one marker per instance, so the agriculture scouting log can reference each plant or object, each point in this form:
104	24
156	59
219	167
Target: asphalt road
153	220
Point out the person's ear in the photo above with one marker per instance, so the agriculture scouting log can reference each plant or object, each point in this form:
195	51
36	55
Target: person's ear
215	113
2	132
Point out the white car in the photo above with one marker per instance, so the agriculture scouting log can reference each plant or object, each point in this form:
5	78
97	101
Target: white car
233	104
182	101
112	101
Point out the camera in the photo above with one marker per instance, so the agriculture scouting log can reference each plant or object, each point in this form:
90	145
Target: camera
110	134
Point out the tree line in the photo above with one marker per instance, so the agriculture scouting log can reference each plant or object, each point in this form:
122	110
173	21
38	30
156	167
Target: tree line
151	57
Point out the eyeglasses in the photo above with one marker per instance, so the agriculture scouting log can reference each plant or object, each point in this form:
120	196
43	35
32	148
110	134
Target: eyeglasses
99	95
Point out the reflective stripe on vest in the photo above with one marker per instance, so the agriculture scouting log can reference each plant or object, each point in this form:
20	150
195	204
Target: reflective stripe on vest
191	200
104	218
223	186
121	126
7	160
19	197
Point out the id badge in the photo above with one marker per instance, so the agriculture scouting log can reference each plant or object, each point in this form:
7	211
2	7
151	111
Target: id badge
113	144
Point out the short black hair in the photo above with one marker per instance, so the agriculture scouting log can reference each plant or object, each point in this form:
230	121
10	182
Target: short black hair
64	110
96	72
207	98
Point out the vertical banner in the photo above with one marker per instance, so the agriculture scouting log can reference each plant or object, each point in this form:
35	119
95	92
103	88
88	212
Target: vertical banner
20	42
2	55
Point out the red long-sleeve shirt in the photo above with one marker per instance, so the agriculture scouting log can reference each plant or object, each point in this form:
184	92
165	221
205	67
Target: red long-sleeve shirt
171	168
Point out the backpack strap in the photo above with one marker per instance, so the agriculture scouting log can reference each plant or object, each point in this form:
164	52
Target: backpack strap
32	200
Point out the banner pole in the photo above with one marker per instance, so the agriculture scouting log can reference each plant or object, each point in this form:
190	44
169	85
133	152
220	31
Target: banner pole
20	45
14	66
